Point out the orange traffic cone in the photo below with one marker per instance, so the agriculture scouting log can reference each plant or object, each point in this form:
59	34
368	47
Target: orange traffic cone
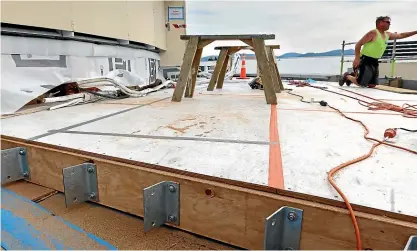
243	68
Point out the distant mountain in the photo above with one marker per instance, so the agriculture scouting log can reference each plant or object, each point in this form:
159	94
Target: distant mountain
332	53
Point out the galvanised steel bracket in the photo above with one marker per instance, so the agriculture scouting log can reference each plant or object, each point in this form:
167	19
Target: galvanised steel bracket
283	229
80	184
412	243
161	203
14	165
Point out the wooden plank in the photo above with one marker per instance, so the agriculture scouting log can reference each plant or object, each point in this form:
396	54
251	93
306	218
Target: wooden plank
246	47
395	89
273	67
195	66
217	69
204	43
229	37
125	231
225	212
265	70
220	81
247	41
185	69
28	190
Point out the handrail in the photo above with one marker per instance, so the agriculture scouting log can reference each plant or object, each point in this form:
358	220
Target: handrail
393	55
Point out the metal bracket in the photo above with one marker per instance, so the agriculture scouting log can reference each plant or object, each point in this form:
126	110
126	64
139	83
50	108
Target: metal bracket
80	184
283	229
412	243
161	203
14	165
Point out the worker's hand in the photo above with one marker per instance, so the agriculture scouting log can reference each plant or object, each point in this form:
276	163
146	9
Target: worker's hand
356	63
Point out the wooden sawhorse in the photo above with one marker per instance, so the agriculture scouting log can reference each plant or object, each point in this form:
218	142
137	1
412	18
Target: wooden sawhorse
221	66
192	56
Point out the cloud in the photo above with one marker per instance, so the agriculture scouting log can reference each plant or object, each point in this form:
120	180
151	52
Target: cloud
301	26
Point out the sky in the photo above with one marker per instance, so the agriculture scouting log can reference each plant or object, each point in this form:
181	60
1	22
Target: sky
298	26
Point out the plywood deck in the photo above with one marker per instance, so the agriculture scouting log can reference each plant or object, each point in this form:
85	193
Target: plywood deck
93	222
226	133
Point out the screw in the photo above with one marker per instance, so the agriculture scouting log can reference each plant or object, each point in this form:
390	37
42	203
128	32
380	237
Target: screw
22	152
90	170
172	218
292	216
171	188
25	174
92	195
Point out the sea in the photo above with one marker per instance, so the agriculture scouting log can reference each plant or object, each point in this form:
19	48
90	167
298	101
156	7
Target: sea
307	65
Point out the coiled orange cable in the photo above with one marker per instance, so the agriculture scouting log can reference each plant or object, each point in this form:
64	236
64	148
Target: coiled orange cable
356	160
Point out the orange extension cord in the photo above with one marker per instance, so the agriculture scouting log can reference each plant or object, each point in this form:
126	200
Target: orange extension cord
356	160
406	111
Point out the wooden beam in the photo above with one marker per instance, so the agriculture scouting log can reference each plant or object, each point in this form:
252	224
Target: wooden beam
276	69
195	67
273	67
229	211
229	37
220	81
204	43
217	69
248	42
185	69
265	70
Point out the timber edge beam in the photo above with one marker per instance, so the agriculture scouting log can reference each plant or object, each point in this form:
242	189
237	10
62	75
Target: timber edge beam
274	47
231	212
230	37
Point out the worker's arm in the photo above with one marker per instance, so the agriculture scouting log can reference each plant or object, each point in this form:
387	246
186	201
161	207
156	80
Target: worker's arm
365	39
402	35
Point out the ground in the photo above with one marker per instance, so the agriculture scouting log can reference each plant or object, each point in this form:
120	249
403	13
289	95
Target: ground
227	133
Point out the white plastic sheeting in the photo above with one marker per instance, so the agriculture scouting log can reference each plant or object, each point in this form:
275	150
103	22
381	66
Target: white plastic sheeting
32	66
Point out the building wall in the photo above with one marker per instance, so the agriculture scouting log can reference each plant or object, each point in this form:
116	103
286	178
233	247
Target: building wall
175	46
406	70
140	21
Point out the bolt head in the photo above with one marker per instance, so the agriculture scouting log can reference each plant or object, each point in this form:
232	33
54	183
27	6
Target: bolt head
25	174
92	195
172	218
22	152
90	170
292	216
171	188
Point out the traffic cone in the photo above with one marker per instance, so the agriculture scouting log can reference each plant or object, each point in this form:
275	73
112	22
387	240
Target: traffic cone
243	68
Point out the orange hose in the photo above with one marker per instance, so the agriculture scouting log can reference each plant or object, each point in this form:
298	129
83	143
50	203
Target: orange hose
338	168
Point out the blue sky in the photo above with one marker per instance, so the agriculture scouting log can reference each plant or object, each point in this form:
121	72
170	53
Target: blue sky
300	26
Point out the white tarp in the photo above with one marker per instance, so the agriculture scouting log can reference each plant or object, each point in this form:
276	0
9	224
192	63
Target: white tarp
32	66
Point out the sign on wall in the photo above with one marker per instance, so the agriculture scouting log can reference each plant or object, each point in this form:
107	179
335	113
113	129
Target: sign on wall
175	13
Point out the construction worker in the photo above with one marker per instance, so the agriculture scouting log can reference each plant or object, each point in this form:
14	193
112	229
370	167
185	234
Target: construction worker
373	46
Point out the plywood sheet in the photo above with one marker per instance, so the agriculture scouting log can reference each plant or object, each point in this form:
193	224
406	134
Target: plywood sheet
29	190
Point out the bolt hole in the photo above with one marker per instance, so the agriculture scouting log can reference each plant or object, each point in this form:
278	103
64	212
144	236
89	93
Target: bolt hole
273	222
75	199
8	177
209	192
153	223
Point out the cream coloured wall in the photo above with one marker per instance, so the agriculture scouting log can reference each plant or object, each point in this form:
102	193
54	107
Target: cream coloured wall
175	46
140	21
406	70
